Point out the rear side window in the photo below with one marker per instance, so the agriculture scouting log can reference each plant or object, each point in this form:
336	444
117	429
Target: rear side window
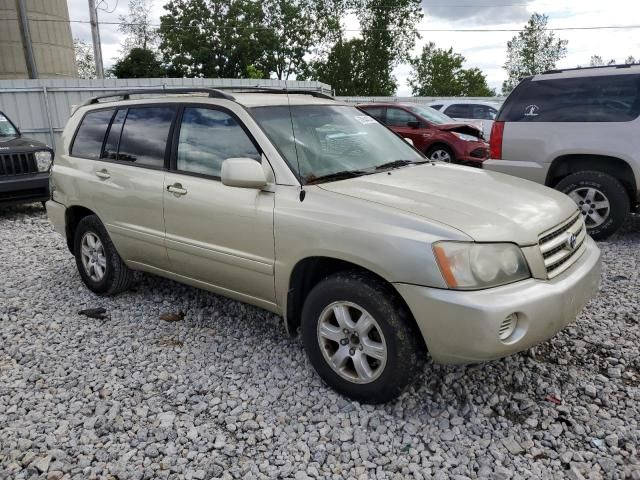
207	138
612	98
90	134
483	112
144	136
458	110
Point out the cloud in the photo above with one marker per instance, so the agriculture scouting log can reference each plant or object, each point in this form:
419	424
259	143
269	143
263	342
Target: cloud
477	12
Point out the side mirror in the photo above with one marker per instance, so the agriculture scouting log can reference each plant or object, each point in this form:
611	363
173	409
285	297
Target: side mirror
409	141
413	124
243	173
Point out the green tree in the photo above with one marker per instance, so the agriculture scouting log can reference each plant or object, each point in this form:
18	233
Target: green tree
344	68
137	27
85	62
439	73
534	50
139	63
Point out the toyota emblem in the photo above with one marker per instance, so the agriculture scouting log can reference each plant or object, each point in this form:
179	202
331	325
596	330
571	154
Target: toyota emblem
571	242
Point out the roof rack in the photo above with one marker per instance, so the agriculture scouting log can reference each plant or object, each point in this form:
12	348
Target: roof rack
212	92
561	70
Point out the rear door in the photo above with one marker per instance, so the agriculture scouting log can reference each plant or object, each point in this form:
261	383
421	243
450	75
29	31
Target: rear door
216	234
123	176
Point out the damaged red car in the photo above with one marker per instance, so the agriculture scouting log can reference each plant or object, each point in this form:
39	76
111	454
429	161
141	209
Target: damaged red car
432	132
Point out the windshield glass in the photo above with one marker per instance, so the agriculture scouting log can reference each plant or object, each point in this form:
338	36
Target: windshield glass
331	139
431	115
6	128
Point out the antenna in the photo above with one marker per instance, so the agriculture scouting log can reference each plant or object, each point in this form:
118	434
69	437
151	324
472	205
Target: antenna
295	143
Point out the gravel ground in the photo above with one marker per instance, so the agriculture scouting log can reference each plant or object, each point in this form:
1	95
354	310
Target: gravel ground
225	393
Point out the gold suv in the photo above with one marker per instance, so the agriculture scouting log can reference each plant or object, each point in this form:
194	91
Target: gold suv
311	209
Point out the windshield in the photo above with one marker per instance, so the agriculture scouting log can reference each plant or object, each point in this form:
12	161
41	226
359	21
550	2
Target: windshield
331	139
431	115
6	127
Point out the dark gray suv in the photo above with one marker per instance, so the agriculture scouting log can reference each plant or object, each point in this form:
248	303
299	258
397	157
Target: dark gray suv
24	166
578	131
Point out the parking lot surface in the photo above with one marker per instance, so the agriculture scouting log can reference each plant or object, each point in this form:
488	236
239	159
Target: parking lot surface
223	392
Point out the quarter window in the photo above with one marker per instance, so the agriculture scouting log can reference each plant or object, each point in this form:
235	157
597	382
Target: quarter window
399	118
145	134
90	135
376	112
207	138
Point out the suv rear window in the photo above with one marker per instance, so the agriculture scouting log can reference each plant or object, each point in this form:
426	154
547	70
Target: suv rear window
88	141
612	98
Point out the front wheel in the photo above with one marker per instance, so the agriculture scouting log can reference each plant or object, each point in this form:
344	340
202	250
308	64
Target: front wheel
358	337
441	153
601	198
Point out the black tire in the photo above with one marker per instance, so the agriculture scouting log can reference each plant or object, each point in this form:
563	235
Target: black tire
442	148
117	276
403	348
610	188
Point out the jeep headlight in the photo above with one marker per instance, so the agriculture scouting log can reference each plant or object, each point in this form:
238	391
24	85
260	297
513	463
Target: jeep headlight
43	160
472	266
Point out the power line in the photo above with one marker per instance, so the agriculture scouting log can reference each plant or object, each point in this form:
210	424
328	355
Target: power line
449	30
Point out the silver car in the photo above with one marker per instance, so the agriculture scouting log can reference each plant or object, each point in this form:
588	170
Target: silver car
313	210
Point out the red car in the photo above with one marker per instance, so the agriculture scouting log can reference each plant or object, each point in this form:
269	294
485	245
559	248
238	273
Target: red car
432	132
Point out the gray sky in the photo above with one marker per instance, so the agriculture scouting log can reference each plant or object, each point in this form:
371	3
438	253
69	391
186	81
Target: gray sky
485	50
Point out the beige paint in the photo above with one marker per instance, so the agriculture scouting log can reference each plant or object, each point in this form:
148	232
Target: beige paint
244	242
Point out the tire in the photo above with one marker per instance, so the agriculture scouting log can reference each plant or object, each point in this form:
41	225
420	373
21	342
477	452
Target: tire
441	153
359	294
592	188
115	276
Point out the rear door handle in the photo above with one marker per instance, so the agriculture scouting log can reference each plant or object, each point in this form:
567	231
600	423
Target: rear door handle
103	174
177	189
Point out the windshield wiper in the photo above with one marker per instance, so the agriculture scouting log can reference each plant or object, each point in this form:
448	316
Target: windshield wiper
398	163
311	179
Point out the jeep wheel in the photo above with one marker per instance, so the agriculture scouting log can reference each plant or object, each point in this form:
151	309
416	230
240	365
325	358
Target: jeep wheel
358	337
101	268
601	198
441	153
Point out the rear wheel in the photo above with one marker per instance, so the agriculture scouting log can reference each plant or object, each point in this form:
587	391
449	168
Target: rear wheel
441	153
101	268
601	198
358	337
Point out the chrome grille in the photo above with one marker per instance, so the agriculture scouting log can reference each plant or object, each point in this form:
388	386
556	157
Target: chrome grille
17	164
555	245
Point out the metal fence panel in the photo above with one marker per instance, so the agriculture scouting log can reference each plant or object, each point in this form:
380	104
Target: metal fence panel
41	108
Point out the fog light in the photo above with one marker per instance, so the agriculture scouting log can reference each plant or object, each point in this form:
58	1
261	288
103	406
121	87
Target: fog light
508	326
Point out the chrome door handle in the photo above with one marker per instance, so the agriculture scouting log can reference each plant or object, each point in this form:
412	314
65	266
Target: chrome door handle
103	174
177	189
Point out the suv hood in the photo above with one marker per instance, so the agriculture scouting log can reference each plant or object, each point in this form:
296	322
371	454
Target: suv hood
487	206
20	143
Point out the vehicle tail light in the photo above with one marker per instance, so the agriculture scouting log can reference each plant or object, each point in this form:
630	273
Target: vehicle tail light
495	142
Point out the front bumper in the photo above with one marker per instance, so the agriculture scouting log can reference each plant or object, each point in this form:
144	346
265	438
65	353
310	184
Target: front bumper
24	188
462	327
473	152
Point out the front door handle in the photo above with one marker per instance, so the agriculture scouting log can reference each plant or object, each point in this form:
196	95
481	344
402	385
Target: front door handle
177	189
103	174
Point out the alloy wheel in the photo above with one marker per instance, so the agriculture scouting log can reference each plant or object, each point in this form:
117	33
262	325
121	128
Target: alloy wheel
593	205
440	155
94	259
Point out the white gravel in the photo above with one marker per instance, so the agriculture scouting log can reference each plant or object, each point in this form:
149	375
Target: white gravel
225	393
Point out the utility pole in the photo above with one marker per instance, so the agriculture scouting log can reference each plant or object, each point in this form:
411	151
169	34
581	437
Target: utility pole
25	34
95	35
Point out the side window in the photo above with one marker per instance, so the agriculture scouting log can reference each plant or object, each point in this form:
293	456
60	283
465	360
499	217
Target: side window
110	151
207	138
436	107
458	110
610	98
399	118
375	112
90	134
483	112
144	136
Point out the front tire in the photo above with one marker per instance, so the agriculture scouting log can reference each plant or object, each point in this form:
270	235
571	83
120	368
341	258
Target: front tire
358	337
101	268
441	153
601	198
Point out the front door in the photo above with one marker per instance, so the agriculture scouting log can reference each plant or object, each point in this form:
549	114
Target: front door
219	235
399	120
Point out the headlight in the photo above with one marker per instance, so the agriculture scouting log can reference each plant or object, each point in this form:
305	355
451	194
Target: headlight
472	266
43	160
465	137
